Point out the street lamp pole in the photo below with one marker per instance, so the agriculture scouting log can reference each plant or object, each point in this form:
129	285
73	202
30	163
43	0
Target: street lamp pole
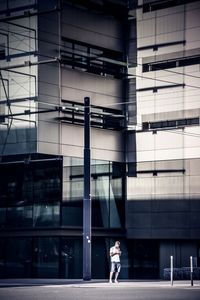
87	196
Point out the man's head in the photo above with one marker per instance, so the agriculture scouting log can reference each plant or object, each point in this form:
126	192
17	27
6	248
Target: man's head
117	244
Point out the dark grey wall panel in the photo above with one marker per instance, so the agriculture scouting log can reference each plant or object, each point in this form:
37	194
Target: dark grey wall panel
92	28
181	251
163	219
158	206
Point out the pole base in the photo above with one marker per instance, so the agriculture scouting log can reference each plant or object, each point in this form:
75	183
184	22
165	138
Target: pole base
86	279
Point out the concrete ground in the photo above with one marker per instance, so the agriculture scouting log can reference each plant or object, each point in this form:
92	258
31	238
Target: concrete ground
59	289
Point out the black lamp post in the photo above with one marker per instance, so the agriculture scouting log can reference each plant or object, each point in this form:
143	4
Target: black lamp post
87	196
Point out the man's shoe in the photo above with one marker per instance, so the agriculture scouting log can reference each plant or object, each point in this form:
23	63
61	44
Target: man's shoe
110	281
116	281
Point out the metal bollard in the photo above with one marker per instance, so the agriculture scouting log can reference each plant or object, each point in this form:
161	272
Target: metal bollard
191	270
171	269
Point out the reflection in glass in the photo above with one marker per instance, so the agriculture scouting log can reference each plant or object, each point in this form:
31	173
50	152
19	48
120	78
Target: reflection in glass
46	215
145	253
106	193
100	201
100	257
30	192
46	257
18	257
72	213
117	207
2	217
71	258
2	258
19	216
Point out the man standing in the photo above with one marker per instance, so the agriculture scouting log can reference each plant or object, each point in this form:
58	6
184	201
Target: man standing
115	254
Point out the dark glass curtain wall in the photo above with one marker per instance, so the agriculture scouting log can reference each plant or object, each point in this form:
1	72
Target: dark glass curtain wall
30	193
108	204
61	257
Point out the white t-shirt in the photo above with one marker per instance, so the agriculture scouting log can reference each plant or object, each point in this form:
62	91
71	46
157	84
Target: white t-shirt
116	257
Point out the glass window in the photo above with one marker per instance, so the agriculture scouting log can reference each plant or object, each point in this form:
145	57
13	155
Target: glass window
19	216
91	58
94	55
81	57
2	258
182	122
145	259
46	257
72	213
171	123
156	125
46	215
193	121
46	182
72	209
30	193
71	258
18	257
108	203
100	201
117	208
170	64
100	257
2	217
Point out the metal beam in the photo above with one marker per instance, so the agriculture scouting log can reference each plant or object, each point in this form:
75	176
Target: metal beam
29	64
28	112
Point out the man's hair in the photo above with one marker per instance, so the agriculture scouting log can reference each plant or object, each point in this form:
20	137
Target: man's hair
117	242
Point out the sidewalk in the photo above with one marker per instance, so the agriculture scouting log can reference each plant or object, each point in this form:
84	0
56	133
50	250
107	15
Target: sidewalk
96	283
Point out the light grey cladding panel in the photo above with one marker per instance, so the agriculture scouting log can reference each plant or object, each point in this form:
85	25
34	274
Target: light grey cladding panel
101	90
49	135
92	28
170	23
105	144
194	167
48	84
48	148
171	200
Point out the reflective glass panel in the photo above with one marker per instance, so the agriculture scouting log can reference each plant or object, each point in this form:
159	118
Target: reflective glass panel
46	257
18	257
71	258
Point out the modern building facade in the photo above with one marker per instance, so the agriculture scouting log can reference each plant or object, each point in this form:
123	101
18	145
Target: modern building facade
163	195
139	64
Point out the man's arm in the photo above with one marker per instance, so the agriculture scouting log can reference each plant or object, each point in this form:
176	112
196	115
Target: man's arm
112	253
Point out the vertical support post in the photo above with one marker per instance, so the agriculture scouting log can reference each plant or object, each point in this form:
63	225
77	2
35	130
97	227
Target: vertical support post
87	196
171	269
191	270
